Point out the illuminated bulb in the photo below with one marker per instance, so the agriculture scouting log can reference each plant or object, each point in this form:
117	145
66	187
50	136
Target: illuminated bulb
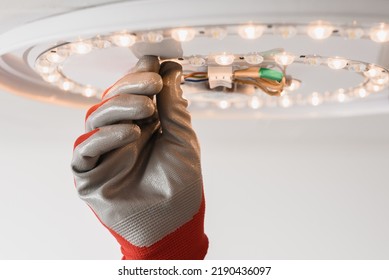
57	56
52	78
376	88
224	104
89	91
224	59
380	33
253	58
81	47
183	34
153	37
353	32
361	92
373	72
284	58
196	61
67	85
285	101
255	103
316	99
251	31
320	30
43	66
123	39
371	87
286	31
217	33
294	85
341	96
382	79
336	62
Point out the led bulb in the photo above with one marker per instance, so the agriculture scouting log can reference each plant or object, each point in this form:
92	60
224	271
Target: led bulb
52	78
153	37
183	34
66	85
286	31
372	87
320	30
361	92
224	104
336	62
57	56
294	85
353	32
286	101
373	72
380	33
88	91
224	59
251	31
253	58
340	95
255	102
197	61
217	33
44	66
284	58
81	47
316	99
123	39
382	79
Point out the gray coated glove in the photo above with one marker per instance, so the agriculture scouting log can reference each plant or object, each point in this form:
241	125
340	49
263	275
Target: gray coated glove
138	166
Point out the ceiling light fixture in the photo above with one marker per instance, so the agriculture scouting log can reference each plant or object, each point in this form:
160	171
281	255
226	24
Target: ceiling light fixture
226	66
249	74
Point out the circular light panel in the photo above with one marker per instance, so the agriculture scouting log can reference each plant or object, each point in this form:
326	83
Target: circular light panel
64	83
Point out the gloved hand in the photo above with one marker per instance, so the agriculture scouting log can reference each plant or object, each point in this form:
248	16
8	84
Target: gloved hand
138	166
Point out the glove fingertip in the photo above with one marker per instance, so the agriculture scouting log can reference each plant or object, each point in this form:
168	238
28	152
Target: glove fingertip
147	63
168	67
84	137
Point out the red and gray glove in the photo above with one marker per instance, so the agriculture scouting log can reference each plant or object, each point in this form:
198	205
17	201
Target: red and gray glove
138	167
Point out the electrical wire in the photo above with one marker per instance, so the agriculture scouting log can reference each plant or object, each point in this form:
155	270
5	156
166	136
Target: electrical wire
196	77
272	84
272	88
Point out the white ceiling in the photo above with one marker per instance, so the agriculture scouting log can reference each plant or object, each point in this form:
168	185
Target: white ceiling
285	189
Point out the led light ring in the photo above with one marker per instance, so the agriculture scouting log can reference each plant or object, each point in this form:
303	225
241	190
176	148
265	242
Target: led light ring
49	64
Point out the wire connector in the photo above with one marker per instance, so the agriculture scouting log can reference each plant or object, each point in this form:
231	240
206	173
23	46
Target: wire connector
220	76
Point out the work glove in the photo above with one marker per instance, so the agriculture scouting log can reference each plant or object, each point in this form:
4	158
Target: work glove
138	165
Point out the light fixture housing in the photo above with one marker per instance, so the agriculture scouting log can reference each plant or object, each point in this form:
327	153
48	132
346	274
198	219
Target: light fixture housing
196	38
